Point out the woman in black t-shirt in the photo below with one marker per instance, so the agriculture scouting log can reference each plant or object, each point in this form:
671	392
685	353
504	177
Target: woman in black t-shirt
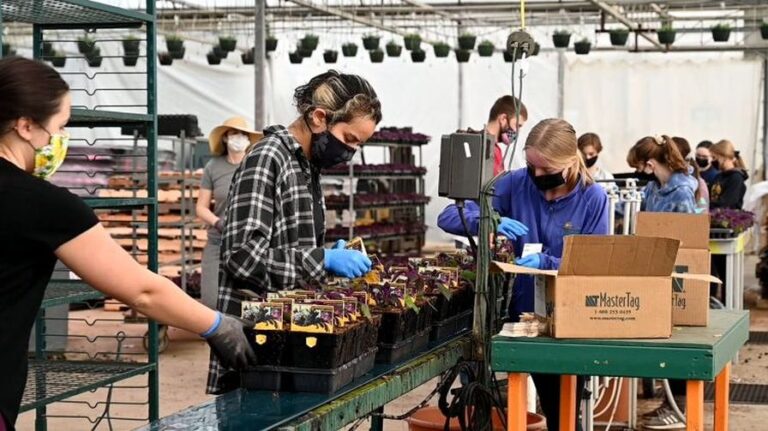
40	223
729	186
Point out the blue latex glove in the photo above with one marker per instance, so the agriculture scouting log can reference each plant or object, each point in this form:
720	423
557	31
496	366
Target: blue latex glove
346	263
530	261
511	228
339	244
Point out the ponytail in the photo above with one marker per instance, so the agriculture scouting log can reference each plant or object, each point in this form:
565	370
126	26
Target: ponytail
660	148
725	148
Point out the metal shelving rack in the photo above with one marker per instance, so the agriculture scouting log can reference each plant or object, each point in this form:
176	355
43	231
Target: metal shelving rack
392	150
52	380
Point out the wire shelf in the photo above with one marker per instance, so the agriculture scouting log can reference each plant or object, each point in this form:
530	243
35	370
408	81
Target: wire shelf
71	14
61	292
97	118
108	203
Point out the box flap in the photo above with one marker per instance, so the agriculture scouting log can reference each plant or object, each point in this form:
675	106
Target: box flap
618	255
699	277
691	229
516	269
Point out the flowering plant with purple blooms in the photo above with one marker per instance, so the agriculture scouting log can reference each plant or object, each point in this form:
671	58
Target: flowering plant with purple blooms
736	220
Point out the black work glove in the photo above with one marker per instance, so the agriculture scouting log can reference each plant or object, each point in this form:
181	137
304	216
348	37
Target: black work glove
219	225
229	343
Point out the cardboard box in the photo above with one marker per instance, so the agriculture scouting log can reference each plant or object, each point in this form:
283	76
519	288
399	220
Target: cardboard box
608	287
690	298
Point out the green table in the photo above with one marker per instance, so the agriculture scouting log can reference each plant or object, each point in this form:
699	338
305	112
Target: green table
694	354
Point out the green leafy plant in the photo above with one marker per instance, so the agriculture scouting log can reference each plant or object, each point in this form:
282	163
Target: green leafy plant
418	55
310	41
485	48
394	49
376	55
467	41
228	43
666	34
619	36
561	38
85	44
371	42
721	32
462	55
131	44
174	42
582	47
330	56
349	49
412	41
442	49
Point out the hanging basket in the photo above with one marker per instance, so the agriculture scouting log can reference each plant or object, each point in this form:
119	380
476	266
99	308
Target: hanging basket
721	34
619	37
330	56
213	57
219	52
412	42
47	49
508	56
442	50
131	45
247	57
377	56
485	49
174	44
165	59
178	55
394	50
295	57
228	43
130	60
462	55
418	55
582	48
349	49
666	36
85	45
467	42
371	42
561	40
270	44
310	42
764	31
58	60
536	49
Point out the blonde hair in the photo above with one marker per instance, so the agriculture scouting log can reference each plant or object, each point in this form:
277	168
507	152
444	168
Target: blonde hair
555	139
344	97
725	148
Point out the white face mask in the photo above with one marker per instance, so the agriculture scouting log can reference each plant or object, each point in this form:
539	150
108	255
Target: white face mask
237	143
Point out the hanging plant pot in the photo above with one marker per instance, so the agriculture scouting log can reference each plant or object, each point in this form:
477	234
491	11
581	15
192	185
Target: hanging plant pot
582	47
462	55
270	44
310	42
47	49
227	43
174	43
666	36
349	49
764	30
377	55
721	33
561	39
442	50
371	42
247	57
85	45
220	52
295	57
165	58
213	57
412	42
467	41
304	52
394	50
619	36
131	45
485	49
94	60
418	55
508	56
58	59
6	48
330	56
178	55
130	60
536	49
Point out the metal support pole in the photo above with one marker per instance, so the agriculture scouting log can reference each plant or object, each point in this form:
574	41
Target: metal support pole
377	422
560	83
765	116
259	58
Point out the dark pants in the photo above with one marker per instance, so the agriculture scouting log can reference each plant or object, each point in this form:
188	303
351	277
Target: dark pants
548	388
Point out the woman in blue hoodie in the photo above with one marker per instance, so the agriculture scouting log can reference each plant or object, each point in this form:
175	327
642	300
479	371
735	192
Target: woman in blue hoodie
553	197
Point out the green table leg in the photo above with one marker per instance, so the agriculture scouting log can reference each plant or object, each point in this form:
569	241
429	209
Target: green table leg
377	422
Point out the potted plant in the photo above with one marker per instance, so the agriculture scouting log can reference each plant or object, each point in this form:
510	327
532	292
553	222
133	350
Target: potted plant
467	41
561	38
174	42
130	59
412	41
619	36
485	48
462	55
178	55
377	55
418	55
508	56
131	45
6	48
228	43
165	58
303	51
295	57
582	47
94	57
47	49
247	57
666	34
536	49
721	32
394	49
442	49
310	41
371	42
764	30
349	49
330	56
213	57
219	52
58	59
85	44
270	43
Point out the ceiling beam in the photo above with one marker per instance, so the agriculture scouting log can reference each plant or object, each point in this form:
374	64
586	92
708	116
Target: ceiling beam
610	10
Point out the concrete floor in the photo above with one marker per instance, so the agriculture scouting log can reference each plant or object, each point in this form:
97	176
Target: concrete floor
184	366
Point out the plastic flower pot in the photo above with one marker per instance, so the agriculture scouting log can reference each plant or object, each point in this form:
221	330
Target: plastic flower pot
165	58
619	37
310	42
394	50
85	45
462	55
485	49
130	60
270	43
47	49
371	42
213	58
536	49
295	57
247	57
377	55
58	60
508	57
721	33
467	42
349	49
330	56
174	43
304	52
228	43
178	55
219	52
412	42
561	40
442	50
131	45
582	47
418	55
94	61
6	48
764	31
666	36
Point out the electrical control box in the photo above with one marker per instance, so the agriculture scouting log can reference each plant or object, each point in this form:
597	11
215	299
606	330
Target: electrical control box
466	164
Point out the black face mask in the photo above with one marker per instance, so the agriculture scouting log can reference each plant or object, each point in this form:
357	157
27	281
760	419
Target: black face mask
590	162
328	151
703	163
715	164
547	182
642	176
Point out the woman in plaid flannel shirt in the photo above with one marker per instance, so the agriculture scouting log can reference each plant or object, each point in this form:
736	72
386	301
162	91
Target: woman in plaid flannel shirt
275	221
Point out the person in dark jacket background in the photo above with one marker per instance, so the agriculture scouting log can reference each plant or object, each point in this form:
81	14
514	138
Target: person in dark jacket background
729	186
704	161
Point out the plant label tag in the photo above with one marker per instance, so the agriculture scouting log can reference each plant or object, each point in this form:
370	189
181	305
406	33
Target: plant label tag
311	342
261	339
531	248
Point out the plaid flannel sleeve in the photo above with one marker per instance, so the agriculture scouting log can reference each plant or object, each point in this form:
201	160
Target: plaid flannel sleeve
252	223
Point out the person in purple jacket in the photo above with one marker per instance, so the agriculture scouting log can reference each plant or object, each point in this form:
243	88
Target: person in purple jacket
553	197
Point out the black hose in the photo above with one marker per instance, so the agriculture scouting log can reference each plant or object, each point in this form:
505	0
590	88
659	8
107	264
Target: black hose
470	237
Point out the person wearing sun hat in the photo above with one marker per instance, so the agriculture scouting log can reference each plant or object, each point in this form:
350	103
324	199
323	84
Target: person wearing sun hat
228	144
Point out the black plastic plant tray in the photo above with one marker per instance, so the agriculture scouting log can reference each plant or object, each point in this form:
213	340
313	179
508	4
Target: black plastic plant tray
263	378
392	353
275	351
447	328
365	363
328	351
397	326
